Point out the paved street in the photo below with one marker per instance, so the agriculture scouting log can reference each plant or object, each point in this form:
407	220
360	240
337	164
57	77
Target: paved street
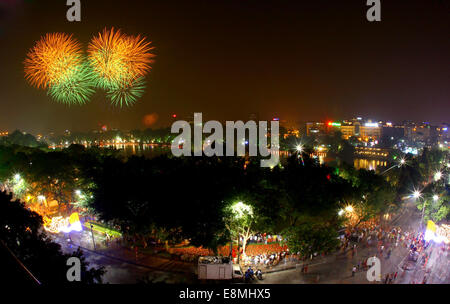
337	268
123	266
121	263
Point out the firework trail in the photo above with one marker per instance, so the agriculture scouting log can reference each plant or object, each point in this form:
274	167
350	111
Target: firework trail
117	60
54	57
125	93
74	88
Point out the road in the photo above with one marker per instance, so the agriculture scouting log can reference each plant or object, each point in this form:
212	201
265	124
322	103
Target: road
122	264
337	268
124	267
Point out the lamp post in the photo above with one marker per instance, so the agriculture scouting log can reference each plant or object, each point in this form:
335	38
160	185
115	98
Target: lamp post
416	195
299	149
92	234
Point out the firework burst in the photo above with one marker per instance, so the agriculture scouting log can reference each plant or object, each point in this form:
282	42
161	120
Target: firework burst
74	88
125	93
54	57
118	60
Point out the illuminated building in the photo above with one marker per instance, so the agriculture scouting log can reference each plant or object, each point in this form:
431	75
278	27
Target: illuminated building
348	131
370	130
315	128
370	152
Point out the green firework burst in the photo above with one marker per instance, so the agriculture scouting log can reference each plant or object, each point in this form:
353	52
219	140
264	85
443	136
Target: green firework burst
76	88
126	94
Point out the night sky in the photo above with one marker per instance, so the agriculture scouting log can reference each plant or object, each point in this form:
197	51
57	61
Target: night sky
298	60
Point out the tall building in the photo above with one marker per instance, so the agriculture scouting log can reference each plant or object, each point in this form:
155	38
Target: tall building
370	131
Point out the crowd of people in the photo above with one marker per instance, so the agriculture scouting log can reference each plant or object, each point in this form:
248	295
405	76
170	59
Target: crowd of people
263	238
383	241
250	274
269	259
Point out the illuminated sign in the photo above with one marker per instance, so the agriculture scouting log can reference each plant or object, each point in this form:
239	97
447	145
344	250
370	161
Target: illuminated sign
59	224
334	124
371	125
436	233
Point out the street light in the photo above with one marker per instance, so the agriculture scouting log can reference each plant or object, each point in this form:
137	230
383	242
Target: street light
437	175
92	234
399	165
299	149
239	208
416	194
435	197
341	212
349	208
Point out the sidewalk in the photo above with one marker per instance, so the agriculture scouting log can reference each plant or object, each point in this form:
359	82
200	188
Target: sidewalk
127	255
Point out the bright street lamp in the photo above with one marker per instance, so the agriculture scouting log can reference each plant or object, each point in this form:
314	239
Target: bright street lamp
399	165
239	209
437	175
349	208
416	194
435	197
341	212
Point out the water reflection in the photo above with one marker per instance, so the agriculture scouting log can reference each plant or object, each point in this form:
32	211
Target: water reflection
147	150
369	164
153	150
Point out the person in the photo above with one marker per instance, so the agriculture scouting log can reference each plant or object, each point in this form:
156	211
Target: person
391	277
259	274
251	273
247	275
353	271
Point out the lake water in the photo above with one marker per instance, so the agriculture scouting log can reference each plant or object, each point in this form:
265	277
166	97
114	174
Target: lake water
154	150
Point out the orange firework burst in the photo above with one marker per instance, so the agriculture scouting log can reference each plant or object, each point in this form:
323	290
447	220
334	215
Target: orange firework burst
118	58
54	57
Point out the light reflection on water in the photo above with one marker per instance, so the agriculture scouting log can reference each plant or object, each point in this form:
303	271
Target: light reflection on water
153	150
147	150
369	164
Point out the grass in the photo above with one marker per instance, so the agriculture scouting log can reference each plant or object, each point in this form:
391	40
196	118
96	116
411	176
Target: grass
103	229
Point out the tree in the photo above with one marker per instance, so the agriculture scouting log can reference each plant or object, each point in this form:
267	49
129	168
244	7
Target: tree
22	233
371	195
312	237
240	221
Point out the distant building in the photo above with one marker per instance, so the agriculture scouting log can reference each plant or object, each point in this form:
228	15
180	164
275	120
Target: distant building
316	128
370	131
